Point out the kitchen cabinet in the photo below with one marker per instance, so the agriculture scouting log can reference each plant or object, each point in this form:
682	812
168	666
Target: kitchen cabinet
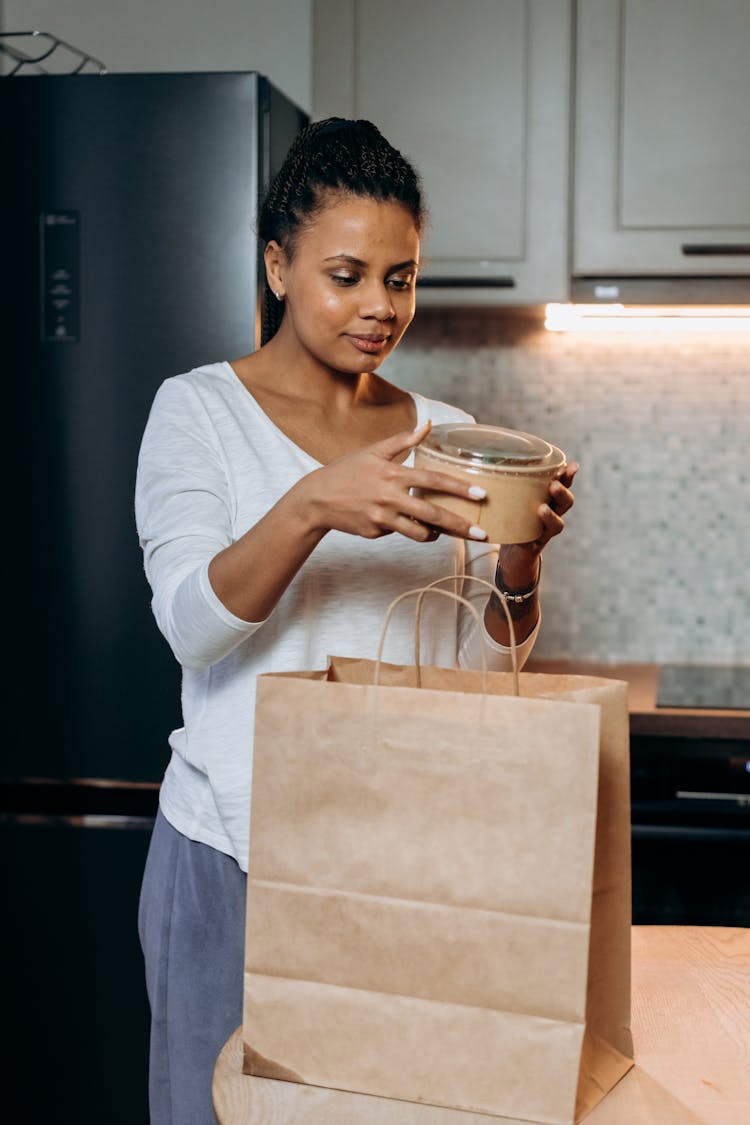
690	814
690	801
477	95
662	139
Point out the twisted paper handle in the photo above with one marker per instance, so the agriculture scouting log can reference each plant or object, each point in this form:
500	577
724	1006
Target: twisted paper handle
433	588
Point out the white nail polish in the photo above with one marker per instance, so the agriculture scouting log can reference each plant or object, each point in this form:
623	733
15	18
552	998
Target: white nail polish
477	493
477	533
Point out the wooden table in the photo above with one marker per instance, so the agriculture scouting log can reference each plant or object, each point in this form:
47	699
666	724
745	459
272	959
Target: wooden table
691	1025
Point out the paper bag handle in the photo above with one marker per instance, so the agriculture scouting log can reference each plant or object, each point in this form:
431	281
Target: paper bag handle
433	588
511	627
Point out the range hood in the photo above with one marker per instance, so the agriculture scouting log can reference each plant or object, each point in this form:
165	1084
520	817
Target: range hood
663	289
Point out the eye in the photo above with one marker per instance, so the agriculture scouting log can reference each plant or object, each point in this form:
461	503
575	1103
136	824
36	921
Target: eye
401	283
344	279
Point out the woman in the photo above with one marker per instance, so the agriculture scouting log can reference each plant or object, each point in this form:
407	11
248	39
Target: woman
275	509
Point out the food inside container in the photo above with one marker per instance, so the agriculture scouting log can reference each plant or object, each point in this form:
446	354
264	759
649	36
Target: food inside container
513	467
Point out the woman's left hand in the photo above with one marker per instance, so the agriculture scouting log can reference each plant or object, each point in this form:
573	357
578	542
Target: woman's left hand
519	564
518	561
560	501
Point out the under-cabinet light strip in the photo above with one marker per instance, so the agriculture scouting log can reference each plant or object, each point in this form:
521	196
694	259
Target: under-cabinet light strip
629	318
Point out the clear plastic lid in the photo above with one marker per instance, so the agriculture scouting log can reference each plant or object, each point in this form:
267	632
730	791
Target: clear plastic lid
492	446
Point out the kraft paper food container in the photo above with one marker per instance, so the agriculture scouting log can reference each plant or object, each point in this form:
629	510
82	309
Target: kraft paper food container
514	468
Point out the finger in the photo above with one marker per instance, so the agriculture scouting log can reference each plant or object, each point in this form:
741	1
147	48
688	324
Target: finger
425	480
414	529
425	533
553	524
567	473
441	519
561	499
391	447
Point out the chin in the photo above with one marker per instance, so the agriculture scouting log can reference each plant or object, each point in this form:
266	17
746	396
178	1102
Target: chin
357	364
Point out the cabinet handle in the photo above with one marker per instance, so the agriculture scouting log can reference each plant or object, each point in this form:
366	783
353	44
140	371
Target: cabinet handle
466	283
696	249
688	832
81	820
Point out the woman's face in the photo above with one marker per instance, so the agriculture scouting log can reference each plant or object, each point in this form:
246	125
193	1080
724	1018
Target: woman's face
349	286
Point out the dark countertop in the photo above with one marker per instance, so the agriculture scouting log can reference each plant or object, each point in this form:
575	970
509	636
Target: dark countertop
645	717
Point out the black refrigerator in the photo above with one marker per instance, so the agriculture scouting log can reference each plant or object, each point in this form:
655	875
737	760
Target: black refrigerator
129	254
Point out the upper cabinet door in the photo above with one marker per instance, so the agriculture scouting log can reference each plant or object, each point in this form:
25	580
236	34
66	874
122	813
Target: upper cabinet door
476	94
662	138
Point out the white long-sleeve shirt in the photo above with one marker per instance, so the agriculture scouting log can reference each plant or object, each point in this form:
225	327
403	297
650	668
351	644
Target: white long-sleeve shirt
211	464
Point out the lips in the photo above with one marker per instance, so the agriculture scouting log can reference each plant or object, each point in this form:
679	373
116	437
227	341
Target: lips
369	342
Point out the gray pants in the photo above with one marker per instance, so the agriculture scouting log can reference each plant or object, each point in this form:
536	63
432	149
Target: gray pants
192	928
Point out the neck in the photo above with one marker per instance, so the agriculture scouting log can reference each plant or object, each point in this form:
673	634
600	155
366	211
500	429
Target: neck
300	375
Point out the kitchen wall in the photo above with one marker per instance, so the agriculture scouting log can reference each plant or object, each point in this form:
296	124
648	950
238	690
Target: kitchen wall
653	563
270	36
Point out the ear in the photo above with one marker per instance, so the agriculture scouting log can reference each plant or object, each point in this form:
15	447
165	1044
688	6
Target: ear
275	261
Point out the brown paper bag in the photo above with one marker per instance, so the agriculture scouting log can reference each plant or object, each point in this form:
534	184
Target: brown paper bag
438	905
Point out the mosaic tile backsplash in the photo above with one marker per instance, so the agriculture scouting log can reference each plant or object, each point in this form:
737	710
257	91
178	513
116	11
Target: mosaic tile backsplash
653	563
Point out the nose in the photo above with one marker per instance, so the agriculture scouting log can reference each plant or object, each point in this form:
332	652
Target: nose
376	301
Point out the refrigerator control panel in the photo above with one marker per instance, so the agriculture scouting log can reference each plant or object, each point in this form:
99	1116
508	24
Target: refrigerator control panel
60	277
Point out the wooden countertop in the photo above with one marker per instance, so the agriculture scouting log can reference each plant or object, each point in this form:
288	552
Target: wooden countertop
691	1026
645	717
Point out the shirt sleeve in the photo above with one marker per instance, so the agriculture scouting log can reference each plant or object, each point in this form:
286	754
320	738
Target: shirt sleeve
475	645
184	517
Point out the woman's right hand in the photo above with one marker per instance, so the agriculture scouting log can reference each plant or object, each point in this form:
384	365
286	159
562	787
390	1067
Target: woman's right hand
368	493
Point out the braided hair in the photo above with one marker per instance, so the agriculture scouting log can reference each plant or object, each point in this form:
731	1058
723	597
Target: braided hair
335	155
